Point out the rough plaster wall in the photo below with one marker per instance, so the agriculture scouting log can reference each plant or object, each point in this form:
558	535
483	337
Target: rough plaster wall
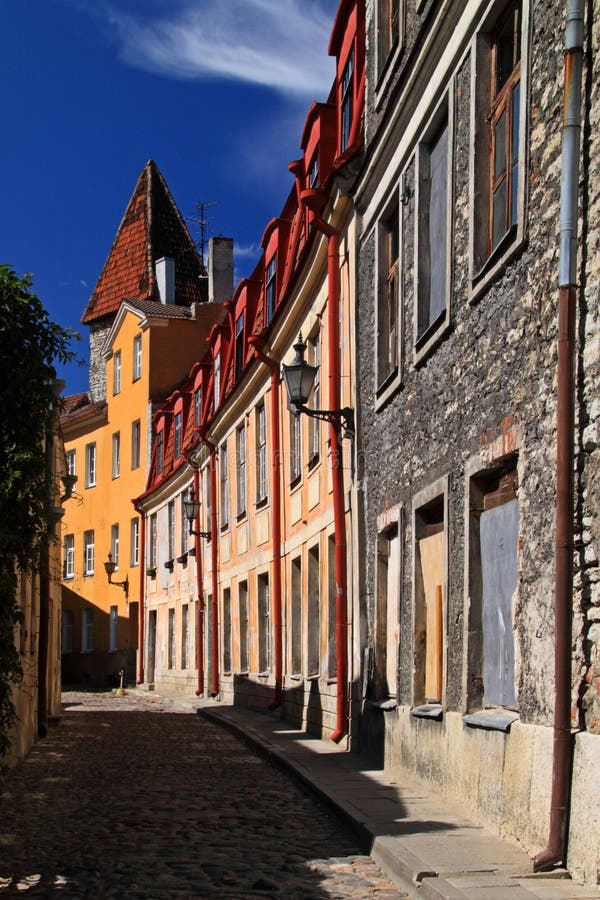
497	363
98	333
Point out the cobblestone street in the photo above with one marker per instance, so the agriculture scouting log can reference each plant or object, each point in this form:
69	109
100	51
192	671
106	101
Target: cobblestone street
134	797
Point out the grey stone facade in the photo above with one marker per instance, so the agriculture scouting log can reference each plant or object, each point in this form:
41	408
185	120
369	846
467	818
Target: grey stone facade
472	400
98	334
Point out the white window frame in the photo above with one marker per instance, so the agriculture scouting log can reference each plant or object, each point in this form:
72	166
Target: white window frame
240	439
137	357
71	462
88	552
217	379
114	544
153	540
135	541
117	372
116	454
69	556
261	454
224	474
136	443
90	465
178	434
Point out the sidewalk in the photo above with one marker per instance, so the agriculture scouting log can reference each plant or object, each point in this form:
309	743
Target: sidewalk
429	848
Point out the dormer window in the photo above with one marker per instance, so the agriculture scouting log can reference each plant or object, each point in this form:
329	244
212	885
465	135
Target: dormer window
160	452
270	289
178	434
217	378
313	171
239	346
347	101
197	407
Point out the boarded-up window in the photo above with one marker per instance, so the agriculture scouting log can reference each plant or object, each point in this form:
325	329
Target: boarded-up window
430	587
499	536
493	583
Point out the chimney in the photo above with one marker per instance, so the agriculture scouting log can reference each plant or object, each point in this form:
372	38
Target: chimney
165	279
220	269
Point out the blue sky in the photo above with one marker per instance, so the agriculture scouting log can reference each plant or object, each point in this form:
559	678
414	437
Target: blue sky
216	91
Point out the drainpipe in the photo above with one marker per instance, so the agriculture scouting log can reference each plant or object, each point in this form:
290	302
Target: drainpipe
254	341
313	200
199	586
141	606
555	851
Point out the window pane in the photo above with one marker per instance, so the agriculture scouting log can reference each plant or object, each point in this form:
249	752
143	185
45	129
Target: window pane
500	145
499	214
438	206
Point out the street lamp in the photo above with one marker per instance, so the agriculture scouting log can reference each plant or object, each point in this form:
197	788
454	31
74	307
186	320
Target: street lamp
299	378
191	508
110	567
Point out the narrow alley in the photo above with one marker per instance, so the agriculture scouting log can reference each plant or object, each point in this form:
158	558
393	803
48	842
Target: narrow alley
135	796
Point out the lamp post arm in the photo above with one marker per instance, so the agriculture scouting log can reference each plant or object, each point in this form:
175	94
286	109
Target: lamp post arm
342	418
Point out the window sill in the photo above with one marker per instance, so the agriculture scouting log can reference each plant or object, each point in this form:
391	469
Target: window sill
183	558
241	517
384	705
151	573
491	719
296	677
192	551
431	337
88	574
428	711
68	577
261	503
169	564
295	483
494	265
314	677
264	674
387	389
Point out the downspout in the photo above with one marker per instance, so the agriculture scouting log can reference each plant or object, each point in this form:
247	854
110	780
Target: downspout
276	470
555	850
313	200
214	557
141	606
199	587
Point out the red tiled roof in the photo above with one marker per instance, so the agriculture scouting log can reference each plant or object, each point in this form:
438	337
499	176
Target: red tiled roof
152	227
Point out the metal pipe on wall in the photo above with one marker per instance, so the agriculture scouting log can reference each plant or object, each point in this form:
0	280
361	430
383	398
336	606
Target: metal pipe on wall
555	850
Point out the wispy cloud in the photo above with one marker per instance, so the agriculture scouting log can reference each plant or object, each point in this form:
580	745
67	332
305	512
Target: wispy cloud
280	44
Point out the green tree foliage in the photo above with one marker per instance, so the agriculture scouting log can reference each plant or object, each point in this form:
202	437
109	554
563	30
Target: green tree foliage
29	344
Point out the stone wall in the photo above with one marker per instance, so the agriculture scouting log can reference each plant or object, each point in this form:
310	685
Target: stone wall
485	393
98	334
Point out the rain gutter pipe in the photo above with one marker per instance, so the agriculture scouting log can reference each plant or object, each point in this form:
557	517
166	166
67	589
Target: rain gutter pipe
255	341
555	850
200	590
313	200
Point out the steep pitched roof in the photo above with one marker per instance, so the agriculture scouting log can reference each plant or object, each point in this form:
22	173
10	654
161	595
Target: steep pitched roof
152	227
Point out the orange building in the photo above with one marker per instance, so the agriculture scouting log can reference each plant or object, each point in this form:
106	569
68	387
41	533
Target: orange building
148	317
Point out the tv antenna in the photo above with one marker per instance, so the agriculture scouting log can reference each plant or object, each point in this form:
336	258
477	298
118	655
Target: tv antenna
201	221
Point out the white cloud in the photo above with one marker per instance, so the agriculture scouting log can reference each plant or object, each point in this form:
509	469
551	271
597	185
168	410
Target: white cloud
280	44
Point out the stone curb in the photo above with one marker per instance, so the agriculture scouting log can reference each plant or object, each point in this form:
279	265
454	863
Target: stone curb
409	870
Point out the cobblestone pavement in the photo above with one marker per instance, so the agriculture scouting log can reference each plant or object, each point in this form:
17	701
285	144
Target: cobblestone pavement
133	797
